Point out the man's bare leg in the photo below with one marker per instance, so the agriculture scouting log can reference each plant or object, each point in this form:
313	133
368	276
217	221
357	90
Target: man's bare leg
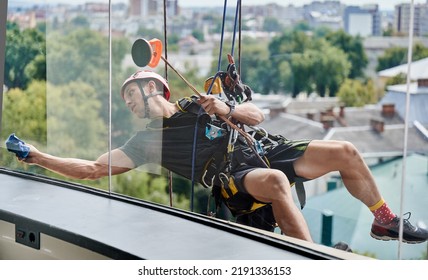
322	157
270	185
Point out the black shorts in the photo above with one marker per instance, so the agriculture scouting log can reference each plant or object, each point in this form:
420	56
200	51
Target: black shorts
281	157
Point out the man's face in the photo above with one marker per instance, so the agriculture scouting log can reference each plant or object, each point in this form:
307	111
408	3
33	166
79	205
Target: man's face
134	98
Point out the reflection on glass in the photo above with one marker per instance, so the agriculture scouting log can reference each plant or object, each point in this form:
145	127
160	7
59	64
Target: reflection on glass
339	75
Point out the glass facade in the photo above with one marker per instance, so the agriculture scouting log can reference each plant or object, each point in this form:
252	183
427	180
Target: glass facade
63	65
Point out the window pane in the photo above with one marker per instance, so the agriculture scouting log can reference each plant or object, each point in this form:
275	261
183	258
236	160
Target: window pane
324	70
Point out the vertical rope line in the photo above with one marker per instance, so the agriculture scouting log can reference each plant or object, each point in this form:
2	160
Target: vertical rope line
406	126
222	36
165	38
110	99
232	52
240	38
166	77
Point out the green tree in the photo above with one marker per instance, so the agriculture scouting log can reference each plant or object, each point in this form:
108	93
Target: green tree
149	33
330	67
80	22
396	55
21	49
254	65
286	50
271	24
302	63
353	93
83	56
353	47
36	68
24	113
198	34
396	80
302	26
392	57
74	122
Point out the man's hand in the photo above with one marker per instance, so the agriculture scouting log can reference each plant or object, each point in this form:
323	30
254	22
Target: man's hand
30	159
212	105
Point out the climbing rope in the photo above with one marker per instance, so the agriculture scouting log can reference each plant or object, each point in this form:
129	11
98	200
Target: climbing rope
170	187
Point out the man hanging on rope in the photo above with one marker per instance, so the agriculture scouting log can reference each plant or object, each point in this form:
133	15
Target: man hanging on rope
241	179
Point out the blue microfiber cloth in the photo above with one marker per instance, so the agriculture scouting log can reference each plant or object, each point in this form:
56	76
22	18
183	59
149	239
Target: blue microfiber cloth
17	146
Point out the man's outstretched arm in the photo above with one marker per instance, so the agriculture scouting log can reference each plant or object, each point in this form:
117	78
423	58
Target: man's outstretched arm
79	168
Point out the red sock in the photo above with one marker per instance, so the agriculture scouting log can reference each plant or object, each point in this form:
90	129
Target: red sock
382	213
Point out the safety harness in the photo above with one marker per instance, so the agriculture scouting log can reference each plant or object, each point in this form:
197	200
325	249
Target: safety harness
217	169
217	173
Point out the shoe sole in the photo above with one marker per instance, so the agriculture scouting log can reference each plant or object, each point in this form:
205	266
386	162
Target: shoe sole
389	238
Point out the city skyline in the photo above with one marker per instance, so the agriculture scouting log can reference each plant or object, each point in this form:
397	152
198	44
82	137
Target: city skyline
383	4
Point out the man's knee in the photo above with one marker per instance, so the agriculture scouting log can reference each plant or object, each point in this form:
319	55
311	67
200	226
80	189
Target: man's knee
348	150
277	182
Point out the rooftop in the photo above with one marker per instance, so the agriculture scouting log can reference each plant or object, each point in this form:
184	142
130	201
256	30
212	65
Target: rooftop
418	103
357	125
418	70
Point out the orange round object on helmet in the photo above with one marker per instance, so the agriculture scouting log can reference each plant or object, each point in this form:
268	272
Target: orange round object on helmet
147	75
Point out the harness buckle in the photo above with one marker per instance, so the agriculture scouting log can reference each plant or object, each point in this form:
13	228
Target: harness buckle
212	132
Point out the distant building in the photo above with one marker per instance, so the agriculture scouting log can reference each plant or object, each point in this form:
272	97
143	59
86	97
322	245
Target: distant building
146	8
287	16
396	95
418	90
324	14
402	19
364	21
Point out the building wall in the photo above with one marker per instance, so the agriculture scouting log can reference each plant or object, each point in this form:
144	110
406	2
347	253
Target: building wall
145	8
402	19
364	21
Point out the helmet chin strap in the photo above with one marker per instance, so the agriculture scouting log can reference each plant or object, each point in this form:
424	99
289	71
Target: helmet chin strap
145	99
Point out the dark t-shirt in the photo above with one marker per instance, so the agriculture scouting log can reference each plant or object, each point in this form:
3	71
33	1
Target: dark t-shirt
171	143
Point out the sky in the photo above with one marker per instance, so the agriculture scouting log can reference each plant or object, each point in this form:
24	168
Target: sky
383	4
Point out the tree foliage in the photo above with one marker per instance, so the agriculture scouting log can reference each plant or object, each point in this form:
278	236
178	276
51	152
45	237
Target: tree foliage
22	48
83	56
24	112
354	93
353	47
309	64
75	127
272	24
395	56
298	61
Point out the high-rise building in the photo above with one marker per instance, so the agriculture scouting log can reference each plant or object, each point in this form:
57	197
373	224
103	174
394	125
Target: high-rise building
364	21
402	19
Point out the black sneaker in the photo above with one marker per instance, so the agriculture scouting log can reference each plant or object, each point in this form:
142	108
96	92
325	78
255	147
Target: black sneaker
342	246
411	234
